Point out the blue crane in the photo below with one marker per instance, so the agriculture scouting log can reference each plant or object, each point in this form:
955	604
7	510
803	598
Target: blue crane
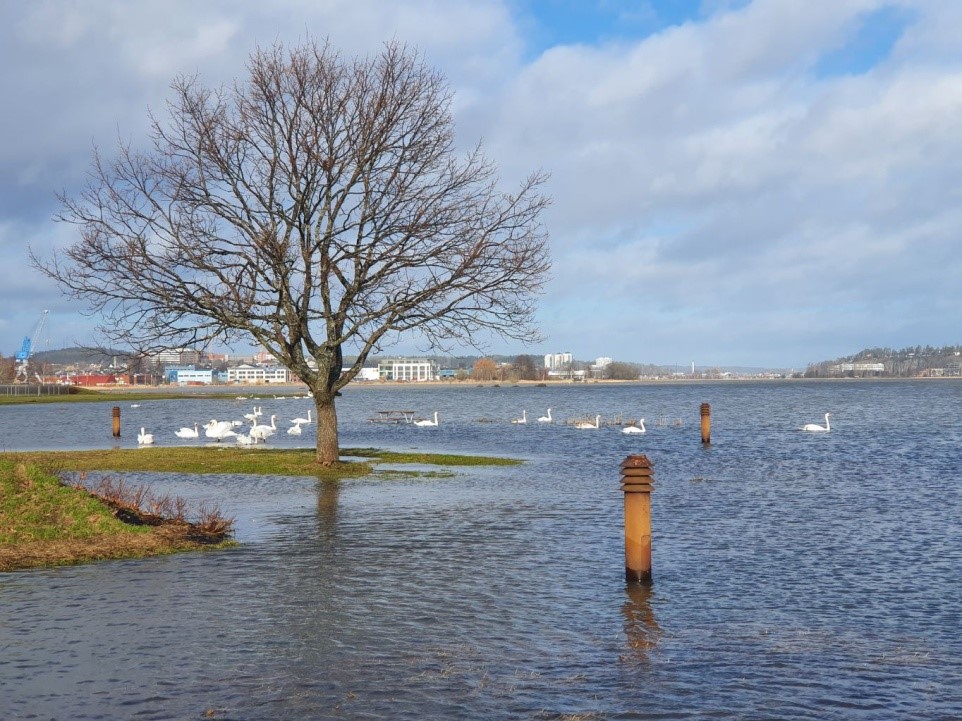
26	350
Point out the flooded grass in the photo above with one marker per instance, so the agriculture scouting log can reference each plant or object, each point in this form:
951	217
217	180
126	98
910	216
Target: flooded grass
47	522
44	522
228	459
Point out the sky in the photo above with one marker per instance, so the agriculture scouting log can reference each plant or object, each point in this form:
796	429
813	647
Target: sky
764	183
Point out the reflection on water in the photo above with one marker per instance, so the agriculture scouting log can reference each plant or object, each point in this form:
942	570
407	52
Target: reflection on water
641	627
795	577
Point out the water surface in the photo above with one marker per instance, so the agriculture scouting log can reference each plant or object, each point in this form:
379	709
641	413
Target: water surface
796	576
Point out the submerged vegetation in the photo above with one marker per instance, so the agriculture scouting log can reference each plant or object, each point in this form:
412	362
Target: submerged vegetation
47	521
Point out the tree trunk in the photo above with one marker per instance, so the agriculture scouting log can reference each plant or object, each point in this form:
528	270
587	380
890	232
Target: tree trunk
328	452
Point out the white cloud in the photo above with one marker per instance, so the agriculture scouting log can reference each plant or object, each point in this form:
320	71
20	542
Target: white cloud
714	194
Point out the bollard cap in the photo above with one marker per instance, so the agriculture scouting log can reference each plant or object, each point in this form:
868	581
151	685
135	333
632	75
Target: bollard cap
636	461
636	474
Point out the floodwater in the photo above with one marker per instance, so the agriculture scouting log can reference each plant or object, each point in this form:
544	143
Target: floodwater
795	575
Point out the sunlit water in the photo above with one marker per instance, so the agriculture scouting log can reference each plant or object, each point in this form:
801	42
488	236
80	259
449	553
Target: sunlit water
796	576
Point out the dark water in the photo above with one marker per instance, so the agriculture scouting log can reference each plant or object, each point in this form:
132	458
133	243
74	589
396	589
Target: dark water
796	576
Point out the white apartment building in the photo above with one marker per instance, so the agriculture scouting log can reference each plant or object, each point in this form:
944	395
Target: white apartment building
177	356
258	375
558	361
368	374
408	369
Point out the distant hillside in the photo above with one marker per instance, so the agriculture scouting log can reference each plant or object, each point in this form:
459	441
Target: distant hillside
76	356
910	362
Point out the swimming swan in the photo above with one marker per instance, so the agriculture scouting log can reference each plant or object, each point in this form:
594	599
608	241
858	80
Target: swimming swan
640	428
425	423
545	419
815	428
186	432
145	438
523	419
585	425
303	420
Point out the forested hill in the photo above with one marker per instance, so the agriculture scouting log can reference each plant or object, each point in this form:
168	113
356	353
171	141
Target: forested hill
911	362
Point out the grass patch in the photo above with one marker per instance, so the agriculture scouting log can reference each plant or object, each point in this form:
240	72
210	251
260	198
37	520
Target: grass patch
87	395
229	459
46	523
121	397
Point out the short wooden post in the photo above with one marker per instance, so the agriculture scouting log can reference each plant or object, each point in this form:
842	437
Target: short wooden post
705	423
637	482
116	419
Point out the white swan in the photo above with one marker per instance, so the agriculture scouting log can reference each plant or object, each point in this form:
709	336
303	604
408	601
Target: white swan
219	430
425	423
303	420
145	438
523	419
815	428
254	415
295	430
244	440
546	419
263	431
640	428
186	432
586	425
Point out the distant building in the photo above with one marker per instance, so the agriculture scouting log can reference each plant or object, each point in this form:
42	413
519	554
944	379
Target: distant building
368	374
258	375
408	369
189	376
859	368
92	379
558	361
598	367
177	356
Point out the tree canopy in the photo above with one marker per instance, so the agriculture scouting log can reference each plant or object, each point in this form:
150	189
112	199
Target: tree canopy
319	204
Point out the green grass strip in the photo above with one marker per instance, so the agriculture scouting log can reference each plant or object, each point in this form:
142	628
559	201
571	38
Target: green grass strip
228	459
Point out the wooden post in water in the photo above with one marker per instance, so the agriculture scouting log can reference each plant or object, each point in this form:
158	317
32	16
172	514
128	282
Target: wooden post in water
637	482
116	418
705	424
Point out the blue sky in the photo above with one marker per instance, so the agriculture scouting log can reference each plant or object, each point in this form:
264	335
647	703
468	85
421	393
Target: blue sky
751	182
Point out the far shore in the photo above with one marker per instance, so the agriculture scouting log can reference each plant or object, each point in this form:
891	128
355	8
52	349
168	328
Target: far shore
239	389
144	392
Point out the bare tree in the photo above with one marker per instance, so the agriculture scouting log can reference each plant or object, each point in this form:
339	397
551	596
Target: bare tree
526	368
320	204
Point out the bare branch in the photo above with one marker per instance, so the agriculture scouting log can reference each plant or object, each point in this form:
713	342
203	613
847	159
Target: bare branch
318	203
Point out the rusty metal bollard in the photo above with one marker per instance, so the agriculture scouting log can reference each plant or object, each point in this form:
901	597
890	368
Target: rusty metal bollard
637	482
116	418
705	423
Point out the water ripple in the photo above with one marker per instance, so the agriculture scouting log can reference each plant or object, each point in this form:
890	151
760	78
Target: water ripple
796	577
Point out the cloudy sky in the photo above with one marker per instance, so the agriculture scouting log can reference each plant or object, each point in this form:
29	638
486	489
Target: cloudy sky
754	182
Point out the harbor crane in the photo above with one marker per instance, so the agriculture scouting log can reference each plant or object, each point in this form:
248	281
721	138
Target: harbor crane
26	350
